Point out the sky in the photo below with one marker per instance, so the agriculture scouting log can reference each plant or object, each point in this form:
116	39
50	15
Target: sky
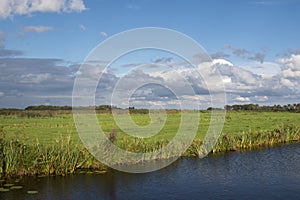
254	45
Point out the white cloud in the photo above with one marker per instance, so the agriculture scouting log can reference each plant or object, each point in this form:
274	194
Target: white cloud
290	75
76	5
25	81
1	94
103	34
292	63
226	79
261	98
9	8
286	82
34	78
248	84
221	62
238	76
265	69
5	8
42	6
53	83
37	29
242	99
240	84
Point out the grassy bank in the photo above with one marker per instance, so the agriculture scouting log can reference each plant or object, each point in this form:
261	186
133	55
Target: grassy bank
252	139
50	144
59	158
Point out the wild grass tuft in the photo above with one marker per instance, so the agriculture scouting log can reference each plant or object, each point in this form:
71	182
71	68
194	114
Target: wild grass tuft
253	139
60	158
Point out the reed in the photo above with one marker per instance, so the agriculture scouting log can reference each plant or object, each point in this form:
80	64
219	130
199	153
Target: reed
64	156
253	139
60	158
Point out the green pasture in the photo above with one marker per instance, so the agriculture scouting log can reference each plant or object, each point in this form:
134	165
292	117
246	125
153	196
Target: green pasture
47	130
45	144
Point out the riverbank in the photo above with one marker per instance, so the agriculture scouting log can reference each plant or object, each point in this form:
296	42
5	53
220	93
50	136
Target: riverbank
266	173
64	156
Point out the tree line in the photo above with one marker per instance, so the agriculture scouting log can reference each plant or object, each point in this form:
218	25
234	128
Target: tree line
108	108
49	107
252	107
275	108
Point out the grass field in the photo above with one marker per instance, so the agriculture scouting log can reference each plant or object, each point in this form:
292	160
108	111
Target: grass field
51	145
49	129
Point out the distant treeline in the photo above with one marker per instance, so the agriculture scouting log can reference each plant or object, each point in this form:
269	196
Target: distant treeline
47	110
273	108
48	107
97	108
50	111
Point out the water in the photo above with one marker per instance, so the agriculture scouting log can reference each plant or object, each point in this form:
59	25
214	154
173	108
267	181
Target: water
264	174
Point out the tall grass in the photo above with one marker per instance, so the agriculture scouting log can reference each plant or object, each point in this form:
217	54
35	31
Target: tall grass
60	158
252	139
64	156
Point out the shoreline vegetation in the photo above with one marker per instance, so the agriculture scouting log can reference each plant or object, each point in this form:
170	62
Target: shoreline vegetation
23	153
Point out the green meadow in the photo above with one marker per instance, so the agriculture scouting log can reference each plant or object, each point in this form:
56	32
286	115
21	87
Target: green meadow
49	129
43	144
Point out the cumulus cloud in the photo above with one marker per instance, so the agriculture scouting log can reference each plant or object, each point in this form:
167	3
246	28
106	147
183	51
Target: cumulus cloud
256	87
292	63
76	5
242	99
162	86
261	98
37	29
238	75
32	78
286	82
290	75
9	8
221	62
265	69
241	84
40	81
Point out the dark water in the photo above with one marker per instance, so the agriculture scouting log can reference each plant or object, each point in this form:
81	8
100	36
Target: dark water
258	174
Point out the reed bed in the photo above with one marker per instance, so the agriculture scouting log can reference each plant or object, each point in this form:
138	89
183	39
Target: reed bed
253	139
18	158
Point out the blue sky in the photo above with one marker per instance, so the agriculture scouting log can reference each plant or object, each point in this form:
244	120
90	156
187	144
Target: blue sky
253	25
41	43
